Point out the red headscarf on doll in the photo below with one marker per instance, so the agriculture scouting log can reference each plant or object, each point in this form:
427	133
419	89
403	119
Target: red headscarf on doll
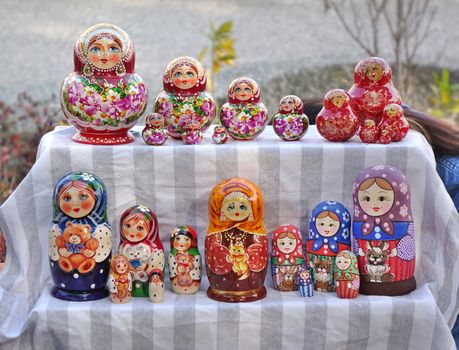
328	104
189	62
297	105
141	212
252	83
360	77
297	253
80	52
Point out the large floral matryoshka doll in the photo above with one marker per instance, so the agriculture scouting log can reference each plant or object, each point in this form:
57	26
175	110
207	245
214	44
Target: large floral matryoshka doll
290	123
244	116
286	257
184	261
347	277
384	231
329	233
236	245
141	244
103	97
184	97
80	239
372	90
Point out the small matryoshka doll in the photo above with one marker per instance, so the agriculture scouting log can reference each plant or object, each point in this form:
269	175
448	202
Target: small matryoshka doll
305	281
383	231
184	97
236	246
219	136
80	239
287	257
184	261
154	132
347	277
156	286
103	97
394	126
329	233
336	121
369	132
120	281
141	244
372	89
192	134
290	123
244	116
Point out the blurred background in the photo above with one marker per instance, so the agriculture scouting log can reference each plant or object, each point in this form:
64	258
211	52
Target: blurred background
289	47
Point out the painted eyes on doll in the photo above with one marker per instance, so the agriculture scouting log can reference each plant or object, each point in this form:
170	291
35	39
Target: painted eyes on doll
189	74
382	198
289	243
178	74
231	207
139	228
83	197
127	225
113	49
330	224
95	49
366	198
242	207
238	90
67	198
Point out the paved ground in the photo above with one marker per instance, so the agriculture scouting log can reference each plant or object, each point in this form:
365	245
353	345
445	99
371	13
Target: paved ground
272	36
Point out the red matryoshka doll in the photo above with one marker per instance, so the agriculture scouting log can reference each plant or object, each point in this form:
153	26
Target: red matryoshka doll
369	132
141	244
329	233
184	97
154	132
184	261
103	97
384	232
236	245
286	257
120	281
336	121
219	136
192	134
2	250
290	123
373	89
80	239
394	126
244	116
347	277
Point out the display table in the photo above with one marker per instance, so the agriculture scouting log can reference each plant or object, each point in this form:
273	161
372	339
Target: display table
175	181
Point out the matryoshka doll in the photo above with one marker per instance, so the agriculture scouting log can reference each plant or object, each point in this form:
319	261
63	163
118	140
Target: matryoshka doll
192	134
219	136
184	97
120	281
290	123
156	286
383	231
347	277
244	116
287	257
305	281
369	132
372	90
329	233
141	244
103	97
80	239
336	121
394	126
236	246
154	132
184	261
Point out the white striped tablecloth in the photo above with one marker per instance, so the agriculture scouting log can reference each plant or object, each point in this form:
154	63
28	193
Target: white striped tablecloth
175	181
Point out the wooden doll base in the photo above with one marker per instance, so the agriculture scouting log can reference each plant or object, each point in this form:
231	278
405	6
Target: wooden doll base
192	289
103	139
388	288
79	296
230	296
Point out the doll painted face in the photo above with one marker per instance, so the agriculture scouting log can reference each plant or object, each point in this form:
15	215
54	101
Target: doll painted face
286	243
374	71
77	200
376	196
343	262
287	105
236	207
369	123
304	274
392	110
327	224
181	242
134	229
104	53
121	266
192	125
155	120
338	99
243	91
184	77
219	129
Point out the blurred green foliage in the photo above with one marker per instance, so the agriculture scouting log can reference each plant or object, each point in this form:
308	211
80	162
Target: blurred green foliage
445	99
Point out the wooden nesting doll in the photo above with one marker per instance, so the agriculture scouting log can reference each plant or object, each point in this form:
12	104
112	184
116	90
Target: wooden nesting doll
80	239
305	281
394	126
141	244
244	116
369	132
184	261
347	277
329	233
290	123
103	97
192	134
336	121
236	246
383	231
154	132
120	281
372	90
219	136
184	97
156	286
286	257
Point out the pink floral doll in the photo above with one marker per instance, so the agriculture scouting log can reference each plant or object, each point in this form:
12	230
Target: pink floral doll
290	123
